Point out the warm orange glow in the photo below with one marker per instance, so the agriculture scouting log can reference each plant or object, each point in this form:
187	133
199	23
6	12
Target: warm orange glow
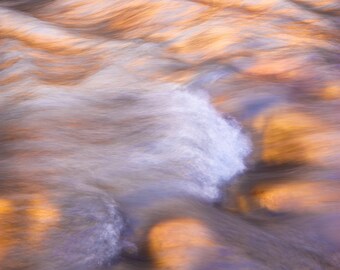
300	196
6	206
6	240
292	136
173	243
43	215
331	91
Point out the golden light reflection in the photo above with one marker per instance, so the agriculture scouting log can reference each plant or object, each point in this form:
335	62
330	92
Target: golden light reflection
173	243
6	239
25	220
299	196
292	136
6	206
43	215
331	91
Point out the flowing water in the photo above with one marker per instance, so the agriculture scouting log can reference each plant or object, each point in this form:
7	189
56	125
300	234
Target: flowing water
112	154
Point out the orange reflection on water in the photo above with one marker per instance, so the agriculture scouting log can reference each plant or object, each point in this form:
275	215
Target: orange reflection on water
175	244
43	215
299	196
